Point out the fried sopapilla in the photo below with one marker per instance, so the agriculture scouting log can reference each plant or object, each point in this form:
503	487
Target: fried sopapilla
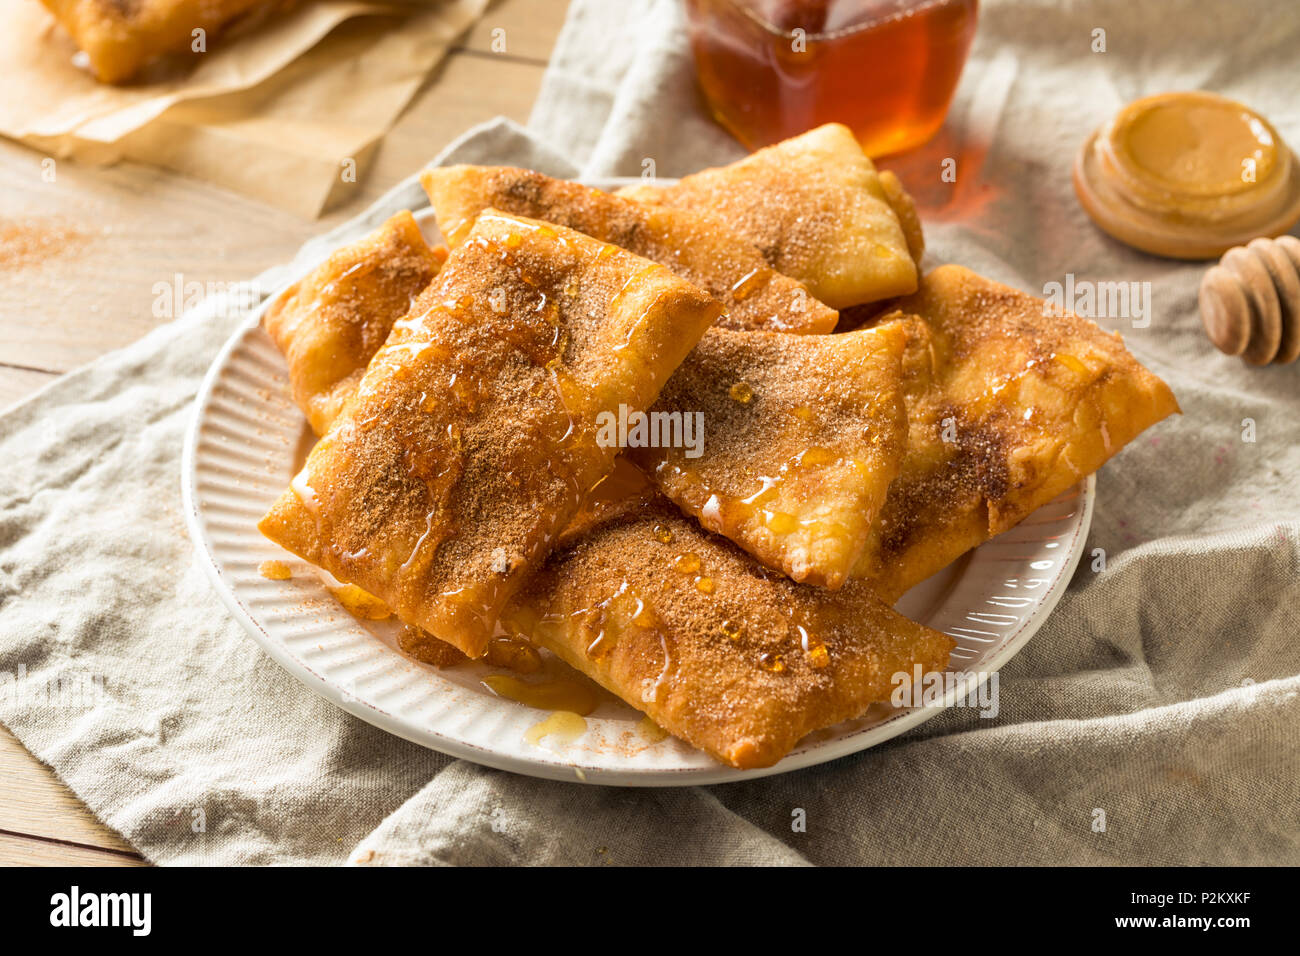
699	247
330	323
1008	406
121	38
471	440
804	435
737	660
815	207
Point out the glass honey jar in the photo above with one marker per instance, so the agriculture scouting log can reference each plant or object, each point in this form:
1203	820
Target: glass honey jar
887	69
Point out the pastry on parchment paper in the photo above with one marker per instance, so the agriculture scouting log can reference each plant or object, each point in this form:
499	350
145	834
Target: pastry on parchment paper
122	37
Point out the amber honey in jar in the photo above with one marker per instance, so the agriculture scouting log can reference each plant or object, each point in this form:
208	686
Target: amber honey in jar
887	69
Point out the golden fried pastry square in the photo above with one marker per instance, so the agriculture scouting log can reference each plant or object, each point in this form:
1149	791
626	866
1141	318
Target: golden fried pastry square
472	438
331	323
698	247
815	208
900	200
121	38
802	435
1008	406
737	660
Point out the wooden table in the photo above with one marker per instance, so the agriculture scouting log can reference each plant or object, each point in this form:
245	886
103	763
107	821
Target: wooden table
108	233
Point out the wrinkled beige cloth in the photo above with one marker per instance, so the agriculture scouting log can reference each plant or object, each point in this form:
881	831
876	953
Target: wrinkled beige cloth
1162	691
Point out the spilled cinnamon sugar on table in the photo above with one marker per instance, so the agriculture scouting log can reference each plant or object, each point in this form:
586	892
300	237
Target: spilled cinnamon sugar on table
27	243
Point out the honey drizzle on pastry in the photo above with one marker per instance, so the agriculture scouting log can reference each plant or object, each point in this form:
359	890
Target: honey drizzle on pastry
722	511
433	403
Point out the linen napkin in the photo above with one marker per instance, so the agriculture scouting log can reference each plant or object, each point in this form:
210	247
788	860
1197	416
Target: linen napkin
1150	721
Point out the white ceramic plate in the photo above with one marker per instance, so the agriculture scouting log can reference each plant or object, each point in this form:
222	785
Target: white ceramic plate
246	441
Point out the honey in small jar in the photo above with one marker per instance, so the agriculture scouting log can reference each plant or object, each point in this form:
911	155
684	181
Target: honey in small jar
1188	175
887	69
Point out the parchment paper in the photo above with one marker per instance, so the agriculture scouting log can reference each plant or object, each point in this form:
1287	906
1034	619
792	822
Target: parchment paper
272	113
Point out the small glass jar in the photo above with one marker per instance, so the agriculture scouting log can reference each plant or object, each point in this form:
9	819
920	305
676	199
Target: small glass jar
887	69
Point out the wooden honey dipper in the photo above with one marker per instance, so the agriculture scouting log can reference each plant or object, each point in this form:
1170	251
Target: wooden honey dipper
1250	301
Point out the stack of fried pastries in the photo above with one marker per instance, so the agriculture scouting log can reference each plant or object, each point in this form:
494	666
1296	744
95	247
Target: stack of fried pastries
737	589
